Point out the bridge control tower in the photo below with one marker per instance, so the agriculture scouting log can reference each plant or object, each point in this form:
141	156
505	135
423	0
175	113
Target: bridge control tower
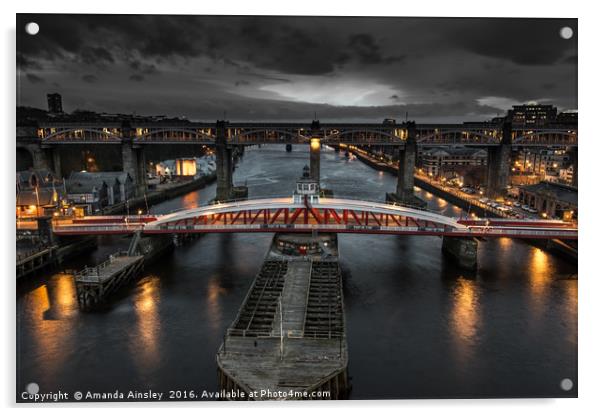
308	188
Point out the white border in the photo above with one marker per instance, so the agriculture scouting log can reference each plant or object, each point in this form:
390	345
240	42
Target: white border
589	154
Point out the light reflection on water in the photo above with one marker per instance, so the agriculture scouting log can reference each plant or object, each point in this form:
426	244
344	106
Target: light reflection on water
214	308
414	321
464	317
144	341
190	201
50	309
539	283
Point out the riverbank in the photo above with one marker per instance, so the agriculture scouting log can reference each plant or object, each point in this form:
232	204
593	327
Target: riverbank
423	182
166	192
557	247
47	256
50	256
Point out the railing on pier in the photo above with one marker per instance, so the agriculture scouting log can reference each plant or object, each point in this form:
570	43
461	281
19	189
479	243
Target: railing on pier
93	274
24	256
288	334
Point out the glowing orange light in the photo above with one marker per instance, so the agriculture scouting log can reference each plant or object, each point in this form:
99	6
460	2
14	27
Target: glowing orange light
315	143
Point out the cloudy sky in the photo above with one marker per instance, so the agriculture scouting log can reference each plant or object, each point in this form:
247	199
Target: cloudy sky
288	68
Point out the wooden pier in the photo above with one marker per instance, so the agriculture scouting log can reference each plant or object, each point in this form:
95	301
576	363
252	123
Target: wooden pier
288	340
94	284
35	259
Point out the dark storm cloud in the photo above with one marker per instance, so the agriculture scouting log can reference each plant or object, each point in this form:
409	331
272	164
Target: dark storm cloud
34	79
136	77
25	63
89	78
368	51
259	110
58	34
142	67
271	40
522	41
96	55
262	76
270	44
243	63
171	37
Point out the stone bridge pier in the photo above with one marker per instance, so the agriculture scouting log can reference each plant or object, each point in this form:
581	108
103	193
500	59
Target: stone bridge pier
405	173
498	164
39	156
462	250
55	155
35	154
133	161
224	162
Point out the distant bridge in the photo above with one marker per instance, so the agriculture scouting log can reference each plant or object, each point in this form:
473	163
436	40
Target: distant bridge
334	215
470	134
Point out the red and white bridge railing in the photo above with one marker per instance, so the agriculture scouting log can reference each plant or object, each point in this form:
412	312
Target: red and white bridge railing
328	215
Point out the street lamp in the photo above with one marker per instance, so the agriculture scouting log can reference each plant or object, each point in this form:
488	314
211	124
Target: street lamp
315	143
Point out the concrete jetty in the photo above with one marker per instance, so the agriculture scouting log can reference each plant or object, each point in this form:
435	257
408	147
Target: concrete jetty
288	340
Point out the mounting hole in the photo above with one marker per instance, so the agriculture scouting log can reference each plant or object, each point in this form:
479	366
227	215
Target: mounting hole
566	32
32	28
566	384
32	388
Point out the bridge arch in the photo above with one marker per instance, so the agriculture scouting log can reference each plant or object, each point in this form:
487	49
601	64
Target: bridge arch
483	138
290	134
571	137
76	134
160	134
338	208
333	136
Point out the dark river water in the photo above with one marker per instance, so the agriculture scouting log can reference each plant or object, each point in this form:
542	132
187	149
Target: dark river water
417	326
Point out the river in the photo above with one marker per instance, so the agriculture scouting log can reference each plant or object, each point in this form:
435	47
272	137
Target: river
417	326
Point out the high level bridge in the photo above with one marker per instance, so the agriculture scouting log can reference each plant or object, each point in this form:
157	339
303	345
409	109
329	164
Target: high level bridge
475	134
44	141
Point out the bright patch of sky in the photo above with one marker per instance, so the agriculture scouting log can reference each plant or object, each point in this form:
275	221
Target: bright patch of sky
334	91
